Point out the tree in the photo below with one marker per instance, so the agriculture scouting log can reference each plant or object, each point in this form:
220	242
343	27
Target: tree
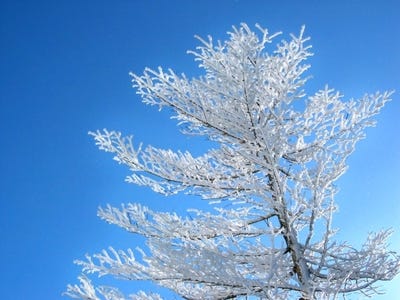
270	182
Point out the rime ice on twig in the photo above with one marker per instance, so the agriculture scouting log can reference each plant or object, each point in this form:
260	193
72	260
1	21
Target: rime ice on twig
275	162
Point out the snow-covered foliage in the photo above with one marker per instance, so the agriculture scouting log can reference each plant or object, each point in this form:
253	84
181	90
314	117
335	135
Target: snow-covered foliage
279	154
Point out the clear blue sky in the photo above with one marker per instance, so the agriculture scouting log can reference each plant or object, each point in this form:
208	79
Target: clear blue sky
64	71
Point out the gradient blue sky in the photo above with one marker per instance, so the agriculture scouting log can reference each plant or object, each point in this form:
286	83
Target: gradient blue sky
64	71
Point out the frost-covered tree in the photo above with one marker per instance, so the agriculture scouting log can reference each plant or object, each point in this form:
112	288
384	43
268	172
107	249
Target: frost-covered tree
270	182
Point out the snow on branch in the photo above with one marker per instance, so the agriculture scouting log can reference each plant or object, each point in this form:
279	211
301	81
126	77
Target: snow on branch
270	181
87	291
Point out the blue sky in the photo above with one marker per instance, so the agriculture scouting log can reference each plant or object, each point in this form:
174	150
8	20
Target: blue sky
64	71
